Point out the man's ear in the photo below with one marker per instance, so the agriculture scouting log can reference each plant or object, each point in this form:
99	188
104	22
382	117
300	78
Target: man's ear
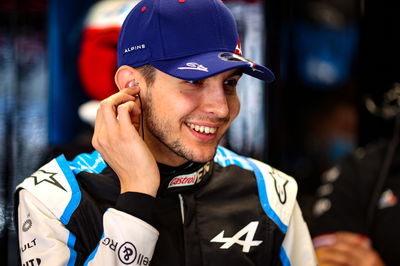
125	75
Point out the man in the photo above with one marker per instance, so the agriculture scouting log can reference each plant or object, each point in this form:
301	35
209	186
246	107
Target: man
158	190
356	211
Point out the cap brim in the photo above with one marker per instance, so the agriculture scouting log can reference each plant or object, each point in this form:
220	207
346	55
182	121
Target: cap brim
205	65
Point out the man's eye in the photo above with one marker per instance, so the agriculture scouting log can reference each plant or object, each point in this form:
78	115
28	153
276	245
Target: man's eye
231	82
195	82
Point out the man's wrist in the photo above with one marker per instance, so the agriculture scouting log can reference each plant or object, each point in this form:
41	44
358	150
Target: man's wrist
136	204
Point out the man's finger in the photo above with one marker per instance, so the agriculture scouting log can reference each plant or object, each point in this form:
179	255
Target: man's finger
353	238
332	255
131	90
355	251
108	107
129	114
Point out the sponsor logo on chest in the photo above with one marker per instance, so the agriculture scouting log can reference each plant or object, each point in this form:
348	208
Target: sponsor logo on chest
189	179
183	180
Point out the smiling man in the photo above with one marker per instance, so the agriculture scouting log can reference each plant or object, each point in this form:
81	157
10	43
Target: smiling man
159	190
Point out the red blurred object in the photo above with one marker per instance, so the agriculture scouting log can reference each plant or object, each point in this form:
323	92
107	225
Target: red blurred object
98	63
97	60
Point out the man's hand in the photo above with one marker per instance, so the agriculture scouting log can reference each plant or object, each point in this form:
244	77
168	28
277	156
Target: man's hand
347	249
117	139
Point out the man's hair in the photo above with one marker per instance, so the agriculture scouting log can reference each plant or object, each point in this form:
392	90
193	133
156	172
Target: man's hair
149	73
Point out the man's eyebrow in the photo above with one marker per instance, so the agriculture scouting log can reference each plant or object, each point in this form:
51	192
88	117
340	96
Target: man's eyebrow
238	72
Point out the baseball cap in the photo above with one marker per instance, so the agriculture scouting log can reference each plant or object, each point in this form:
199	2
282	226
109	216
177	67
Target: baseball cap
187	39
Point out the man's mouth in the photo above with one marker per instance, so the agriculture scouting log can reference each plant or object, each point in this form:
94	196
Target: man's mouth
202	129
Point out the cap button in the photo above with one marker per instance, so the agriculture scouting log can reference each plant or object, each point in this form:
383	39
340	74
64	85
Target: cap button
144	8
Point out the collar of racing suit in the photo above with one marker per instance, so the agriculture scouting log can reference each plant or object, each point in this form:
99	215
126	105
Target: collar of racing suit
184	177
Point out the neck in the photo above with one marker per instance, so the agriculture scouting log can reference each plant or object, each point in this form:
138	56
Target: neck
171	162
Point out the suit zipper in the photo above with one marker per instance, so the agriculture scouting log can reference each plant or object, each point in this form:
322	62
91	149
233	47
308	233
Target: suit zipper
182	208
181	205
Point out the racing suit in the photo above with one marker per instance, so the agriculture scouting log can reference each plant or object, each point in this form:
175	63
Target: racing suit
230	211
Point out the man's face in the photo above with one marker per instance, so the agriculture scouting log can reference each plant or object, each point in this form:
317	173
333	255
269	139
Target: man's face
186	120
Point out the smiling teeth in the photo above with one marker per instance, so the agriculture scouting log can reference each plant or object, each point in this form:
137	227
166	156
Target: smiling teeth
203	129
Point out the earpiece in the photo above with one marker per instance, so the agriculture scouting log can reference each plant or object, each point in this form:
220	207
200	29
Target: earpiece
132	84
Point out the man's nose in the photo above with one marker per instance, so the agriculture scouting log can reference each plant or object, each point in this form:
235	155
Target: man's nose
215	101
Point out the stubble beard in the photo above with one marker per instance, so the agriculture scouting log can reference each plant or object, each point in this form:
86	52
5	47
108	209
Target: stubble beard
161	130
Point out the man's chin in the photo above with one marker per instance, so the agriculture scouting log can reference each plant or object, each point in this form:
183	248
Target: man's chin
199	153
203	156
201	160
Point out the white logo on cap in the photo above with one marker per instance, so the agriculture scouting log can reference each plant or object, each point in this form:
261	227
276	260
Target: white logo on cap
194	66
134	48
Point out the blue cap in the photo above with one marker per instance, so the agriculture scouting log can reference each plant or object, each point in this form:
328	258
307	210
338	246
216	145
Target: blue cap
187	39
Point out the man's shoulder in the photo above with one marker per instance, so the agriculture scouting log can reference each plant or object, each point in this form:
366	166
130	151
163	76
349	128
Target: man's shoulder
226	157
277	190
55	184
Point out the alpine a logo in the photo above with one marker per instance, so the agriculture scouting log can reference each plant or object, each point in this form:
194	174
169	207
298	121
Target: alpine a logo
235	57
249	231
194	66
238	49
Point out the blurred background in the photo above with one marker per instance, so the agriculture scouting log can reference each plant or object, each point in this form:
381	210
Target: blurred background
334	61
